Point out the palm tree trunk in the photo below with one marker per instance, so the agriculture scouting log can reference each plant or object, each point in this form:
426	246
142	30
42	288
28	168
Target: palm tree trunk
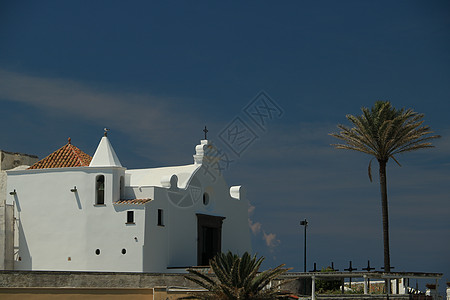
384	209
385	214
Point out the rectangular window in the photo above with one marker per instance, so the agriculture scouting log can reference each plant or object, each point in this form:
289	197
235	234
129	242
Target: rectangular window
100	190
130	217
122	188
160	217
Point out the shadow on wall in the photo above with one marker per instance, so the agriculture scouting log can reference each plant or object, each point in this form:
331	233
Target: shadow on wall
77	197
22	256
16	201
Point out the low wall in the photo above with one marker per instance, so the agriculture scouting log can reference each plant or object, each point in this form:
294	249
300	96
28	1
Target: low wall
41	285
373	297
114	285
48	279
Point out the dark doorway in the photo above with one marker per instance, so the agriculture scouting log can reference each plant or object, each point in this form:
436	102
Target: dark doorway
209	236
211	244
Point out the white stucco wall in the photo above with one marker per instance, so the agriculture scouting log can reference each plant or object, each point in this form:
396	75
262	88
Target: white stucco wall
156	255
61	230
174	245
58	229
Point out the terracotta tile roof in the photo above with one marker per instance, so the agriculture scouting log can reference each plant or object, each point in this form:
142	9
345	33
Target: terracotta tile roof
132	201
66	156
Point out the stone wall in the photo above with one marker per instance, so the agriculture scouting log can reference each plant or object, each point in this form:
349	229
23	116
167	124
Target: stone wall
2	188
6	237
10	160
2	235
44	285
44	279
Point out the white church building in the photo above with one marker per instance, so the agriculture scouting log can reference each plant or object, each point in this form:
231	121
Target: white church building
74	212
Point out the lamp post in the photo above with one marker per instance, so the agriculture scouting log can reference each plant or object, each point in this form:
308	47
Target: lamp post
304	223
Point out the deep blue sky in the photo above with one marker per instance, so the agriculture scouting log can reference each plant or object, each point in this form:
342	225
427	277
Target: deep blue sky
157	73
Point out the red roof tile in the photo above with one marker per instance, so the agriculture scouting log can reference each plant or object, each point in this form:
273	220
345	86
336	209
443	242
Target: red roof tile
132	201
66	156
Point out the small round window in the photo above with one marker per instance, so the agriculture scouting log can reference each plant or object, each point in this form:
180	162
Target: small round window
124	251
205	199
97	251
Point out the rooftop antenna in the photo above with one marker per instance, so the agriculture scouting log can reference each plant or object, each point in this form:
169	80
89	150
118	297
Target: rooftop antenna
106	131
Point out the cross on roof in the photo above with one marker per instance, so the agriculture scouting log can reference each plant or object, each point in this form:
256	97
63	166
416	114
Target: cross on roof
368	267
350	269
205	131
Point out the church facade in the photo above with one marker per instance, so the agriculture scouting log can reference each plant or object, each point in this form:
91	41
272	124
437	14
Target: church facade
73	212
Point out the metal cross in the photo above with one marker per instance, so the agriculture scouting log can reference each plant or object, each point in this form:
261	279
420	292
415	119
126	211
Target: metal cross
205	131
368	269
350	269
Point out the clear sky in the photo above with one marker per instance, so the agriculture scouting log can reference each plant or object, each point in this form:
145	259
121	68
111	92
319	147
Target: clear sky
156	73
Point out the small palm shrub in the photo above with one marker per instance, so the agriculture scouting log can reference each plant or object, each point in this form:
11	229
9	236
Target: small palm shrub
237	278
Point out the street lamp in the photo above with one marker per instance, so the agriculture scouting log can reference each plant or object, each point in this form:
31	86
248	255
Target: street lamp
304	223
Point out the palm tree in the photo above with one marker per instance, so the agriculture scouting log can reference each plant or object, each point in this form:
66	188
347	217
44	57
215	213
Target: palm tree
237	278
383	132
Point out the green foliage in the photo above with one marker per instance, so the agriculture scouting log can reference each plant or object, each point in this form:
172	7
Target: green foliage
383	131
328	285
237	278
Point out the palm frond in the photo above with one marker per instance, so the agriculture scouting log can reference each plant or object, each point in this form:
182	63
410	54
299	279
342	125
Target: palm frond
392	156
369	170
237	278
384	131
